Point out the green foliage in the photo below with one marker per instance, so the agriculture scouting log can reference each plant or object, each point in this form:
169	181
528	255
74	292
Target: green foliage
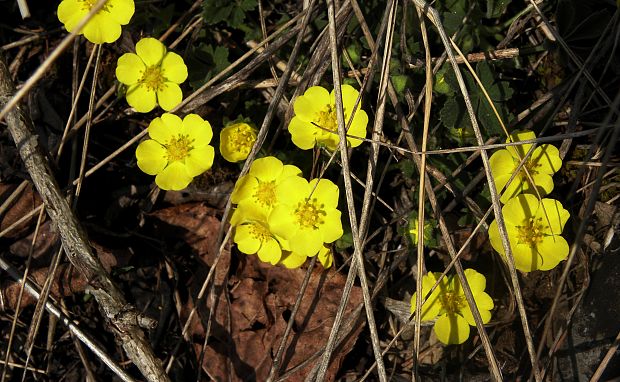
232	13
496	8
454	114
204	62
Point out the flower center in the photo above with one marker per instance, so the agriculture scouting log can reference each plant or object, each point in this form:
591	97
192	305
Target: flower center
153	78
327	118
310	213
529	165
260	232
242	140
87	5
452	302
178	148
266	193
532	232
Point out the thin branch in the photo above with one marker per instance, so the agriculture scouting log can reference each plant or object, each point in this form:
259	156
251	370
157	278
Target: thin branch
122	318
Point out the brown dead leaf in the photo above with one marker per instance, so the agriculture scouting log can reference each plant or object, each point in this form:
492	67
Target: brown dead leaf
251	307
261	300
25	203
198	226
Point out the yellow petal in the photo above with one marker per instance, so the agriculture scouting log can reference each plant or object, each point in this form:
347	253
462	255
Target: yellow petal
553	216
70	13
244	188
199	160
357	128
451	329
518	136
520	208
121	11
292	190
169	95
102	28
303	134
246	241
198	129
325	257
527	259
282	223
543	182
151	51
173	68
237	218
546	159
349	96
477	282
314	100
270	252
293	260
307	242
151	157
331	229
129	69
325	191
289	170
431	306
494	238
141	98
331	141
162	132
485	313
174	177
173	123
266	169
502	163
252	211
484	302
552	249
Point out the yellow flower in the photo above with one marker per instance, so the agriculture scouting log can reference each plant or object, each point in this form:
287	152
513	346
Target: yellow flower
236	141
293	260
253	236
448	303
256	191
152	75
326	257
534	230
105	26
177	151
541	165
306	214
315	118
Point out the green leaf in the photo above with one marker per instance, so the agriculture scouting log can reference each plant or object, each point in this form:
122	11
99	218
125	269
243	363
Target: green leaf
204	61
231	13
496	8
400	83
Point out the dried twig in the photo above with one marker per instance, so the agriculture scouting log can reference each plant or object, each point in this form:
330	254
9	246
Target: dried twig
123	319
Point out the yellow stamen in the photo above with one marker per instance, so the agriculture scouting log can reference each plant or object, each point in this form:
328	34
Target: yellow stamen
260	232
242	139
153	78
531	232
178	148
87	5
452	302
327	118
266	193
310	213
